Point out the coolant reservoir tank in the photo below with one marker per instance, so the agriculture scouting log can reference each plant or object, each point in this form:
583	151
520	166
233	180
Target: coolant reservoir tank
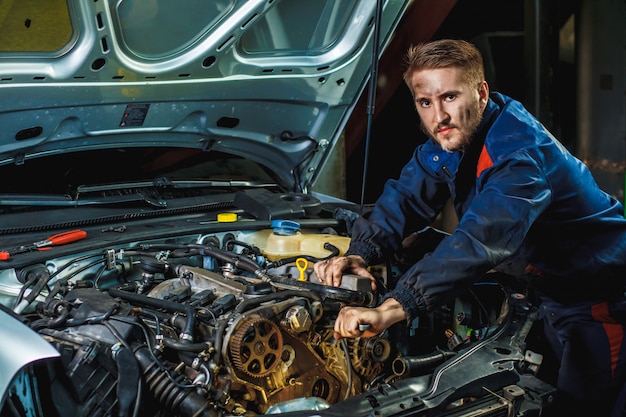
286	239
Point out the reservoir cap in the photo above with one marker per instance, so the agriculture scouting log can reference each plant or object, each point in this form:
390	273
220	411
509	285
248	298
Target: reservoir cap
285	227
227	217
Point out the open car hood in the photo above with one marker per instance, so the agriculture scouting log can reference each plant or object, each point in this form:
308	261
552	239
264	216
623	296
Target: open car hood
268	80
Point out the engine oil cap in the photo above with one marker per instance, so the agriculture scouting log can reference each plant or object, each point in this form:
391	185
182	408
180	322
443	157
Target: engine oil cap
285	227
227	217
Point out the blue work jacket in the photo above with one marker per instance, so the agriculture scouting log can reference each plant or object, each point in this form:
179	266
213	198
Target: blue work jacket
526	207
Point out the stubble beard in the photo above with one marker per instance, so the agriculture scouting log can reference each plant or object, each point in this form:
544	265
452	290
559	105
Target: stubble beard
473	117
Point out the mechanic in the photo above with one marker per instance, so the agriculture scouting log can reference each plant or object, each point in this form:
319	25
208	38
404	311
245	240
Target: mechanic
526	207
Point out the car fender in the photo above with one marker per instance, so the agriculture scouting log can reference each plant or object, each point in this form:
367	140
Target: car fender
20	346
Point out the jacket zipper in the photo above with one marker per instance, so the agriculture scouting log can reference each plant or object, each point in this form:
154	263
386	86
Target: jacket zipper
451	187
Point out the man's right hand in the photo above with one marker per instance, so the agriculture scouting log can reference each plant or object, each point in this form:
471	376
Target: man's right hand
330	271
367	322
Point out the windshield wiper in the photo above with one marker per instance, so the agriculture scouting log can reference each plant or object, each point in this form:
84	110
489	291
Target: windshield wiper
46	200
164	182
123	193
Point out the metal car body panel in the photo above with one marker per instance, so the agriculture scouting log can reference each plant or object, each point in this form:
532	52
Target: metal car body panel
21	347
251	78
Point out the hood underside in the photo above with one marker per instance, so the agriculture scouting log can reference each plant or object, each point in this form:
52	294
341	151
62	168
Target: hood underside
268	80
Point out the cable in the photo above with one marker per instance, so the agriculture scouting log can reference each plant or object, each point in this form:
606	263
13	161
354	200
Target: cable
346	352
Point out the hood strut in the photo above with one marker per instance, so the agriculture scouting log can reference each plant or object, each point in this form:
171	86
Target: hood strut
371	97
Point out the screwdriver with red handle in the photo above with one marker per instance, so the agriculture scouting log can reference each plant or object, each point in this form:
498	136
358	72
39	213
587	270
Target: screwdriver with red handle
55	240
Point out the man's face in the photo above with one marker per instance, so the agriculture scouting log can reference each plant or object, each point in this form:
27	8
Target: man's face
449	108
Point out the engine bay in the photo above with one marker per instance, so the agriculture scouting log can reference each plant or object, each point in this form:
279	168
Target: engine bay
236	323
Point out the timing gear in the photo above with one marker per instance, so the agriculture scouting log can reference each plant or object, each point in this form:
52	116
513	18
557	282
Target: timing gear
256	347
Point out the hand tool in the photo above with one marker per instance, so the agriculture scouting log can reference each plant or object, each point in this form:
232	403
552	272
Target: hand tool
55	240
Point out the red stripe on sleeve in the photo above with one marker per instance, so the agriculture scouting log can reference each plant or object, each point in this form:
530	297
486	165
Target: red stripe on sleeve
484	162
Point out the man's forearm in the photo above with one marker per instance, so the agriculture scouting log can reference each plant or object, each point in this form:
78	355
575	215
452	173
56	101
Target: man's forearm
391	312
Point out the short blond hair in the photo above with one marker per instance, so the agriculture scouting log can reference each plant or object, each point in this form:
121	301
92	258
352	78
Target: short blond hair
445	53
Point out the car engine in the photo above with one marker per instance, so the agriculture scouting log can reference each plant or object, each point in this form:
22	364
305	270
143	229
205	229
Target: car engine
236	323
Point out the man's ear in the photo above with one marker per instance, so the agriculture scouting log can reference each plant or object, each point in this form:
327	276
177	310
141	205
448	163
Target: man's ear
483	93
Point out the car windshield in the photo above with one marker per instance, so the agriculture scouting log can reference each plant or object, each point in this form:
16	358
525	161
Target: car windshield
64	173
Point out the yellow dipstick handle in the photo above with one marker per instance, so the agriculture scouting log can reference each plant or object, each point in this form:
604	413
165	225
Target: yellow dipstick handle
301	264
